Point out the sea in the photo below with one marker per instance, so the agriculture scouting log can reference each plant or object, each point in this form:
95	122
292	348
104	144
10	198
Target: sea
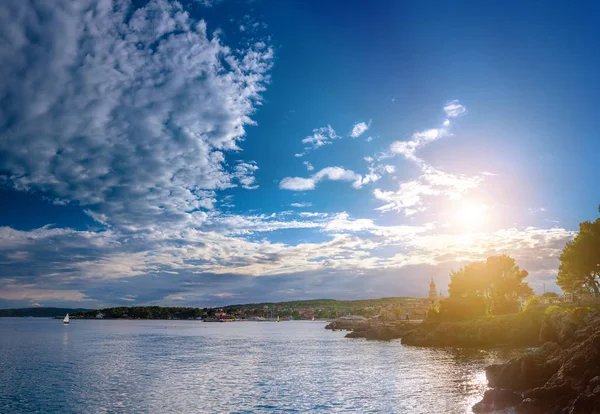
152	366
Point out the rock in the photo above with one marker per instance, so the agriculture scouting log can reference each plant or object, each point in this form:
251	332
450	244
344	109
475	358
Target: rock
586	404
381	332
528	371
560	377
497	399
542	399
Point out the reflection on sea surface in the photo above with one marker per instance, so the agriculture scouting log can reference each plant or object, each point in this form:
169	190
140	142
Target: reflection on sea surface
190	366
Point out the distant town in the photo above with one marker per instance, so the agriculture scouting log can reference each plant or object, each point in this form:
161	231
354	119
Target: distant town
385	309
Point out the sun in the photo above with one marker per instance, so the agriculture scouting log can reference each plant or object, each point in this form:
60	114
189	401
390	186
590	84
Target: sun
471	217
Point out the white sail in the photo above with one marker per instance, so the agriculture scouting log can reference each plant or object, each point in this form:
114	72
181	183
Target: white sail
66	320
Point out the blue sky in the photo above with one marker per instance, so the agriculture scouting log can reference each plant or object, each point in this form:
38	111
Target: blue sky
201	153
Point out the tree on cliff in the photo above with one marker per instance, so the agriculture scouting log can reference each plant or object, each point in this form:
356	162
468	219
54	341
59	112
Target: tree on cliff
580	261
494	286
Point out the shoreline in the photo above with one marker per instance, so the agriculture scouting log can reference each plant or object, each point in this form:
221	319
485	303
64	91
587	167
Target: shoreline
558	373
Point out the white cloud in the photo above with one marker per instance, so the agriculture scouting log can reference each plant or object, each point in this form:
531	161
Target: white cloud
328	173
359	129
175	297
410	196
418	140
312	214
352	245
297	184
536	210
320	137
301	205
309	166
454	109
131	111
244	173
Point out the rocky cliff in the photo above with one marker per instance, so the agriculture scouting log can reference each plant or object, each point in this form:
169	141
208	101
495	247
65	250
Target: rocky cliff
562	376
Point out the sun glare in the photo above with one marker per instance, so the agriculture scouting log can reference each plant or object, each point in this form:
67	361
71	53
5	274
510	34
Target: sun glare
472	217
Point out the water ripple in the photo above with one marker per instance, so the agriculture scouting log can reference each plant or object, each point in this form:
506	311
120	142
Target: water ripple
246	367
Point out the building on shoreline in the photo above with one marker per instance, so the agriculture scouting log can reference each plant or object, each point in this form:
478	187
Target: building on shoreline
433	296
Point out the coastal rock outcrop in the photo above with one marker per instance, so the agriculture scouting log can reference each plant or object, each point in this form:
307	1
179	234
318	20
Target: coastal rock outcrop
559	377
382	332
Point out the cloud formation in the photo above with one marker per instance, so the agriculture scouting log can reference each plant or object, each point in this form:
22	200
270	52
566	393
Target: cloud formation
320	137
130	110
328	173
308	165
411	195
359	129
454	109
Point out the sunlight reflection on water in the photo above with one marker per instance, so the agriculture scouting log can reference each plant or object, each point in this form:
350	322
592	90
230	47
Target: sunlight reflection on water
245	367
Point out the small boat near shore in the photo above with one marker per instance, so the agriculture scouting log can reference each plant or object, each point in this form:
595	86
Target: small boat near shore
66	320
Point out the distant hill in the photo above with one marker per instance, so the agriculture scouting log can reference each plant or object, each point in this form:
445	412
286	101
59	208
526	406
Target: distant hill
39	312
298	309
321	308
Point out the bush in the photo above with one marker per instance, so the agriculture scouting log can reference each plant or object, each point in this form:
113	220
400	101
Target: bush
532	303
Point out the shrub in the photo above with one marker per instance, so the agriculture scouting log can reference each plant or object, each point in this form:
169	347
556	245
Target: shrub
532	303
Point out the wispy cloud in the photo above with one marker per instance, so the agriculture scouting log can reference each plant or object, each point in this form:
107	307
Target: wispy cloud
536	210
419	139
454	109
328	173
301	205
320	137
308	165
359	129
244	173
410	197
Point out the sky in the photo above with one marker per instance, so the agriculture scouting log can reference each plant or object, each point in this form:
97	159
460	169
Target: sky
203	153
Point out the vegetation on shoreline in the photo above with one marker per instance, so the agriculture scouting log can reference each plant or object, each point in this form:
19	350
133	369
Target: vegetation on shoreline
39	312
302	309
493	287
579	270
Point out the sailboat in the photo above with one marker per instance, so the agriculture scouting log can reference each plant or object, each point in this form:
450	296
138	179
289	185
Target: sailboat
313	318
66	320
277	318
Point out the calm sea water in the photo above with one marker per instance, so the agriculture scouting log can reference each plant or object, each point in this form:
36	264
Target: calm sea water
241	367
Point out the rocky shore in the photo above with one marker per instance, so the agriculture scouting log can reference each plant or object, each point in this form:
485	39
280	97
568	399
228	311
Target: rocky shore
562	376
369	329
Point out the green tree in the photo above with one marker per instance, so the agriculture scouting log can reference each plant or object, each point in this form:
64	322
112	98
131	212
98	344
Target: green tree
494	286
506	286
579	269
